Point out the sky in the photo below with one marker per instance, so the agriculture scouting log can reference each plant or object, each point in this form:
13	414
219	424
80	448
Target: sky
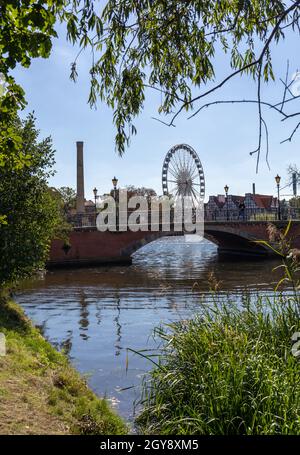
222	136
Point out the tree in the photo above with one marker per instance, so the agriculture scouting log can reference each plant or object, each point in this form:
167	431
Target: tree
170	46
26	32
32	214
293	169
67	197
142	191
293	178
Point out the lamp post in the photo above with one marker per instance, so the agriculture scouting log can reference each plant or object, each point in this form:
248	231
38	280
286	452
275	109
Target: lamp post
226	188
115	183
277	180
95	191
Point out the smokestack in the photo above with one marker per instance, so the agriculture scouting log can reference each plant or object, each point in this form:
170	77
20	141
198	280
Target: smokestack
253	189
80	179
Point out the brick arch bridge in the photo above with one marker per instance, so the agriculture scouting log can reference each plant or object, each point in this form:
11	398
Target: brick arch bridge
91	247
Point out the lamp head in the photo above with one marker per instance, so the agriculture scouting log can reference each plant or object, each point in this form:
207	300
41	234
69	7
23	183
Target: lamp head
277	179
115	182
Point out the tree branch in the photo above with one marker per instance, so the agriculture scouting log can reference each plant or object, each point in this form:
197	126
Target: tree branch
240	70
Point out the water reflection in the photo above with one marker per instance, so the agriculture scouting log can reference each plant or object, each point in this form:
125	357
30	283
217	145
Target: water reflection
118	329
66	344
96	314
84	316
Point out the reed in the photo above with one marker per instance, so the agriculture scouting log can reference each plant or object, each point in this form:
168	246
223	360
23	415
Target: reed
229	370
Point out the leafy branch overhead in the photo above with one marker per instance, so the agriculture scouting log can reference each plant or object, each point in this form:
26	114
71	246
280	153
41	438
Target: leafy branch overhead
170	46
26	32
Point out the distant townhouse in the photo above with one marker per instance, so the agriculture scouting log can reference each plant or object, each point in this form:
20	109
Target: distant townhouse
250	206
219	207
257	204
213	208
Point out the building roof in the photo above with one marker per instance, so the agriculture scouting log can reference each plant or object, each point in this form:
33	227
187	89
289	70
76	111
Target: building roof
263	201
89	203
237	199
217	201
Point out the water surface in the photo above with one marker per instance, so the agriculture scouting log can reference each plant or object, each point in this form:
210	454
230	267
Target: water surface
95	314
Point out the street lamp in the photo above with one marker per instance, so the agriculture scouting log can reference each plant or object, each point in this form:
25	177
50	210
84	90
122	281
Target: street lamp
226	188
277	180
95	191
115	183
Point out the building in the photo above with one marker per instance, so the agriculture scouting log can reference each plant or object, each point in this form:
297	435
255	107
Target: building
218	207
260	204
250	207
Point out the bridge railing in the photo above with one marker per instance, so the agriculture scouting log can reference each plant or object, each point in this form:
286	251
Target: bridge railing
89	219
148	218
254	215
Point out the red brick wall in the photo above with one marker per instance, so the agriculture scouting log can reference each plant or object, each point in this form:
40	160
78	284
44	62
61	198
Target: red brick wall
89	246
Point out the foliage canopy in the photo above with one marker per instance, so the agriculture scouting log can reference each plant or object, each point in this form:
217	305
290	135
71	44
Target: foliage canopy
171	47
32	215
168	46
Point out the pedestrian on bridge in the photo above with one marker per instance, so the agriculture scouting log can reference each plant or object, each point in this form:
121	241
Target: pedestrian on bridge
242	209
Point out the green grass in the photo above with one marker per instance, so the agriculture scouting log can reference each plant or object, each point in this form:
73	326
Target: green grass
230	370
40	392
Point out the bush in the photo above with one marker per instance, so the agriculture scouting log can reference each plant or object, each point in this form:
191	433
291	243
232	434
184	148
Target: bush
30	214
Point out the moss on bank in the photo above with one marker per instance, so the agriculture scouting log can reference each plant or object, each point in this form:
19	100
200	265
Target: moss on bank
40	392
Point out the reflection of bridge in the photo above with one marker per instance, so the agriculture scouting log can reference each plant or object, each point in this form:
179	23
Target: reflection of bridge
234	238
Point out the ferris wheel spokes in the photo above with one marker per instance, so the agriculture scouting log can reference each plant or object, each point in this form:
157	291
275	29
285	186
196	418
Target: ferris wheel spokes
182	172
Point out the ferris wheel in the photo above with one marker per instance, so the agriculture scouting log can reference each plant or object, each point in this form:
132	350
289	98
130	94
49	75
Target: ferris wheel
182	174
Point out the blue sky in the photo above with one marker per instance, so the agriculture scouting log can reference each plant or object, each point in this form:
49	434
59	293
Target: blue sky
223	136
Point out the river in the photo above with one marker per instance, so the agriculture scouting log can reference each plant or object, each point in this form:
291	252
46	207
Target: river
95	314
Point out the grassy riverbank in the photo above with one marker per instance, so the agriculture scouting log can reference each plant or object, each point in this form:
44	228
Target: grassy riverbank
228	371
40	393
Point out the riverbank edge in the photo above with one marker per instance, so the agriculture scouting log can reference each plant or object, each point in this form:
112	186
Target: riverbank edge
40	392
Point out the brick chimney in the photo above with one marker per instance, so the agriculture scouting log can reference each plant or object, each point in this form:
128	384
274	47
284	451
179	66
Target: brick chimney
80	179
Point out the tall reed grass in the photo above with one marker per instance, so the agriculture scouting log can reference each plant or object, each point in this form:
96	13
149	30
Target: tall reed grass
233	369
230	370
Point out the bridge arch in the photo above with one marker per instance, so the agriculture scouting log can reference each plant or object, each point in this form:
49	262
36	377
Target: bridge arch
149	237
235	241
232	240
